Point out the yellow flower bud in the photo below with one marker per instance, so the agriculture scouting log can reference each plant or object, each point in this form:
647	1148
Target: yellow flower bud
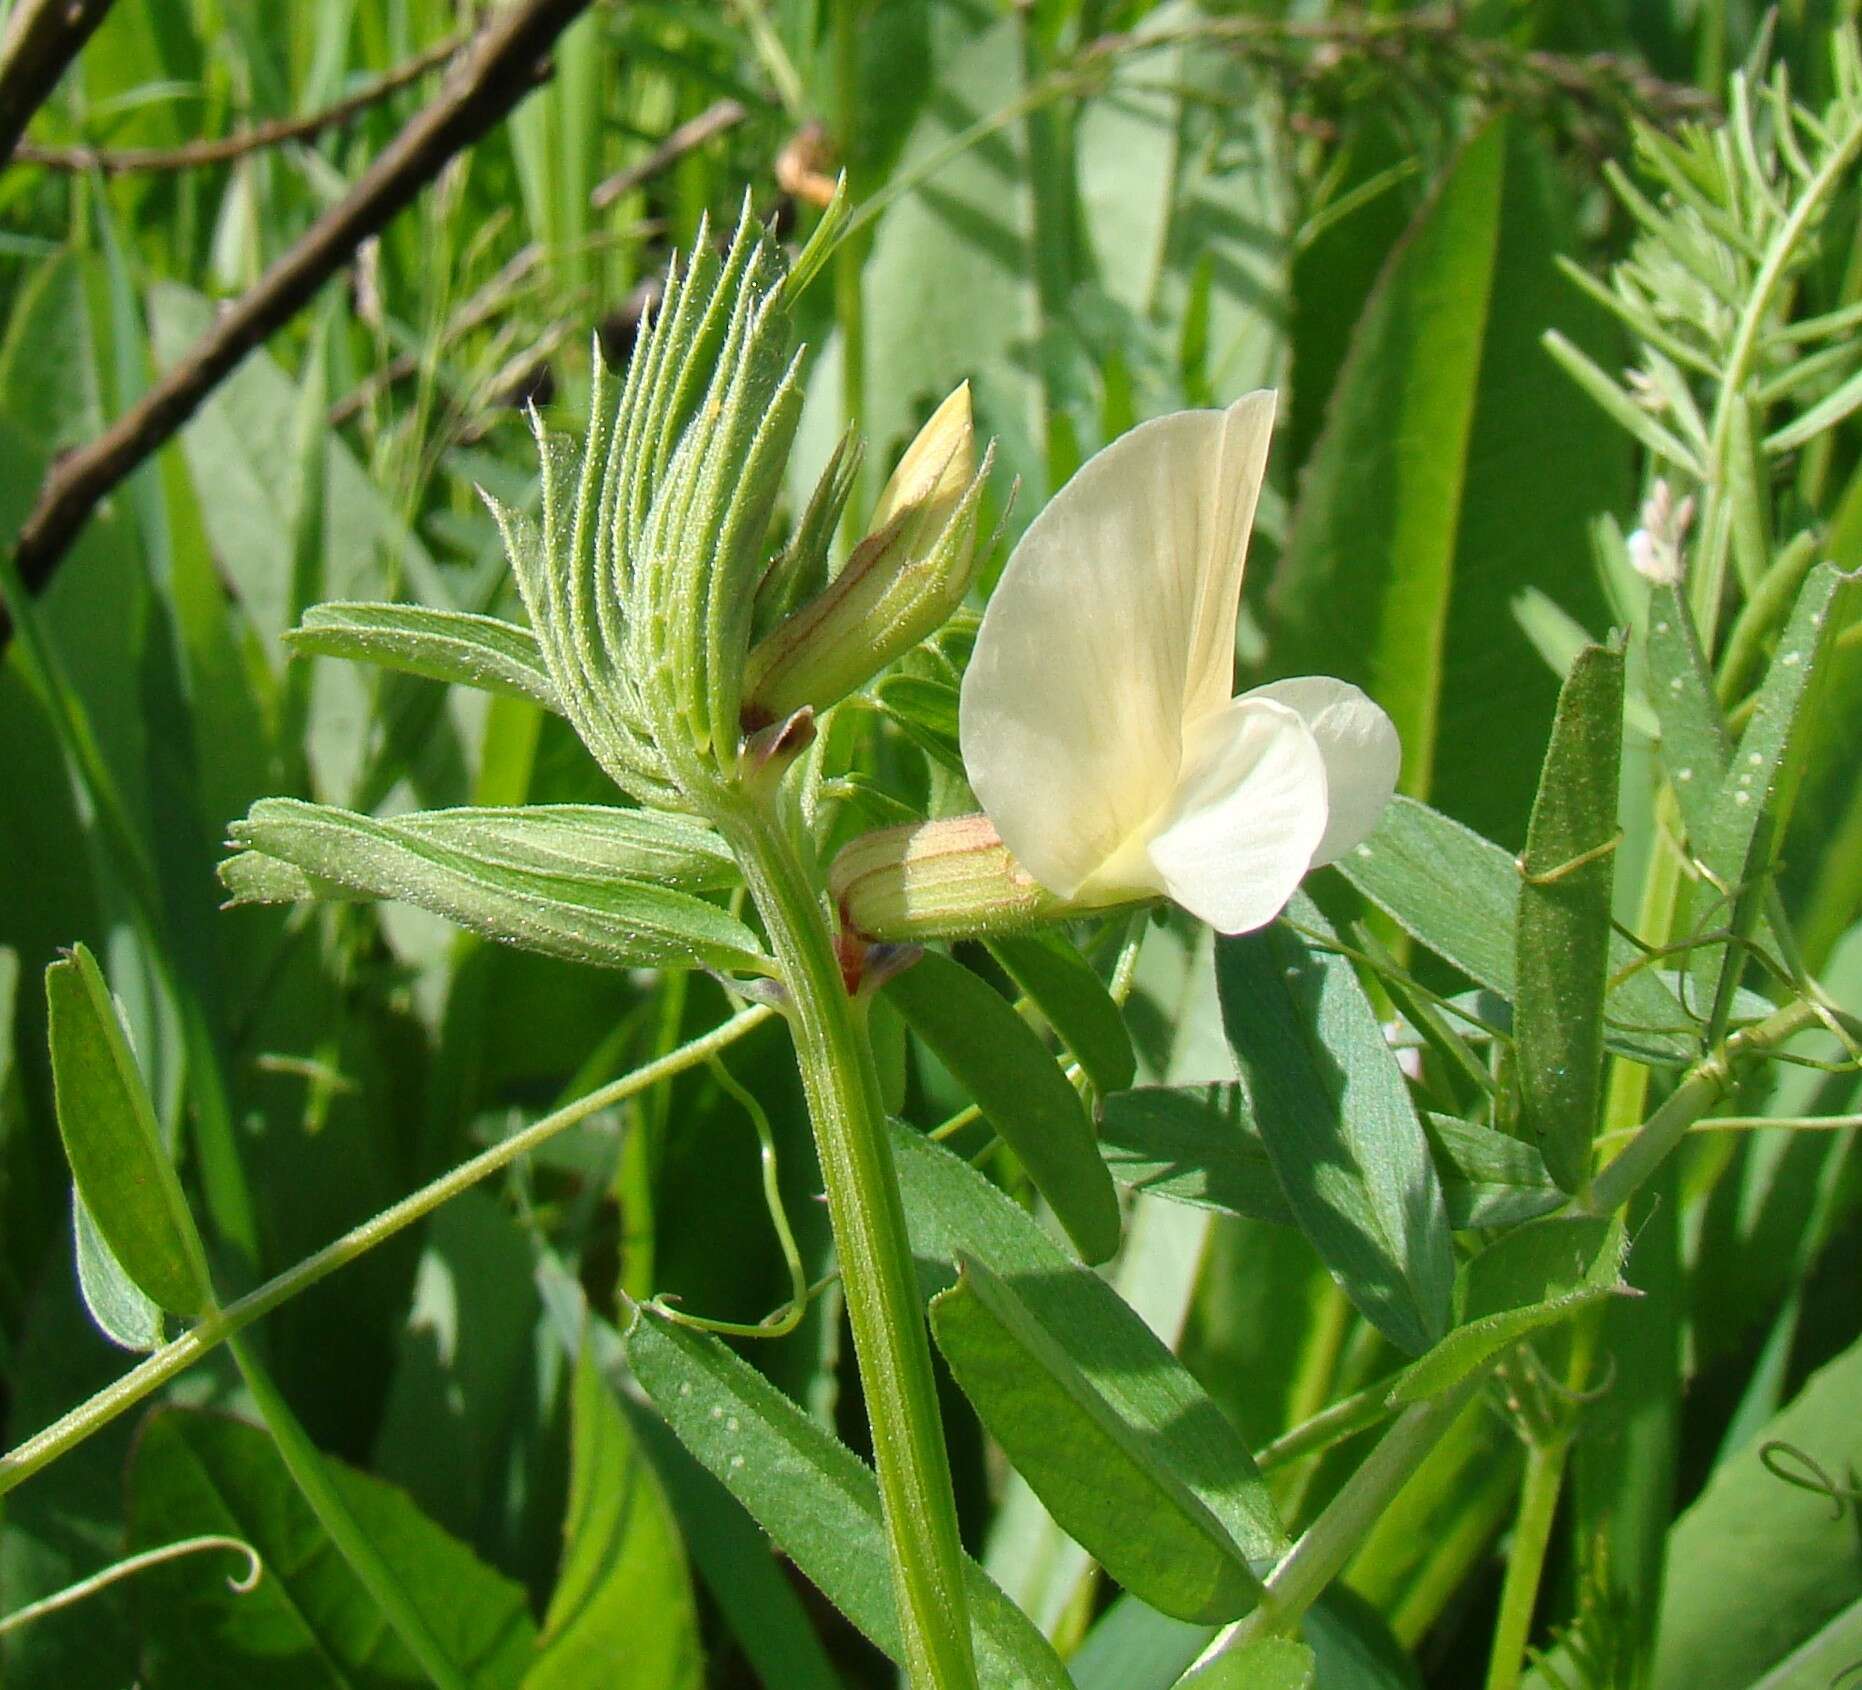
951	878
901	584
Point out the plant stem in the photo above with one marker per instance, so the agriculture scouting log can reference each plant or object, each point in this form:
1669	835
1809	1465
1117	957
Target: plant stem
305	1463
1707	1082
1525	1561
216	1328
1327	1544
877	1274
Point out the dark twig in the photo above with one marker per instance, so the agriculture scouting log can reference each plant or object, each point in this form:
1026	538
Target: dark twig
42	39
713	120
224	149
503	63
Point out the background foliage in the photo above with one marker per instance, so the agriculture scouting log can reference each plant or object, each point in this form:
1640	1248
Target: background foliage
1094	213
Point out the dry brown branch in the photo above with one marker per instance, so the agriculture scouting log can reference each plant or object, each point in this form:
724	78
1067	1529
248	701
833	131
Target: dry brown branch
502	64
224	149
713	120
42	38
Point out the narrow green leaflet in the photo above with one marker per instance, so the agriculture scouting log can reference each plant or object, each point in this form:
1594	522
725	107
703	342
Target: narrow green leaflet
590	918
1075	1001
1488	1178
1562	939
1760	785
1529	1278
576	841
1107	1483
442	645
1335	1114
308	1621
1693	742
1759	1565
1200	1145
954	1211
817	1499
1193	1144
122	1313
1274	1663
1020	1089
622	1613
926	712
113	1144
1458	894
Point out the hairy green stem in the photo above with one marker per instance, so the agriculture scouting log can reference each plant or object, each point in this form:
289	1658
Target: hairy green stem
1328	1543
884	1308
216	1328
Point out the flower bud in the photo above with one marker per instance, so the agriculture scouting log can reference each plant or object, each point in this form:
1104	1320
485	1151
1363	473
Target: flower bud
946	879
902	582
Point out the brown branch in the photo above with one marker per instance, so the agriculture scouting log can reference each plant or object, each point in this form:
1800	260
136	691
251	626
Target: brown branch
713	120
41	40
493	74
224	149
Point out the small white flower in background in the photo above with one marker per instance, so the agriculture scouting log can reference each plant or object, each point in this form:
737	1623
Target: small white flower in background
1096	723
1655	548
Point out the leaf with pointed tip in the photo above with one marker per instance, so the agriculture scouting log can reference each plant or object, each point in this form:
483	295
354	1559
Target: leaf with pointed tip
814	1496
118	1164
1019	1088
1103	1477
953	1210
1335	1114
442	645
1562	936
586	917
1075	1001
1693	742
581	841
1530	1278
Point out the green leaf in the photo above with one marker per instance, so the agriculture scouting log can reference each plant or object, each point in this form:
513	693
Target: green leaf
1021	1091
1693	742
443	645
622	1612
1489	1179
1531	1277
817	1499
1274	1663
1335	1114
1757	1566
952	1211
112	1142
1200	1145
1074	999
1760	784
308	1623
1458	894
587	917
1562	938
578	841
926	712
1103	1479
122	1313
1454	438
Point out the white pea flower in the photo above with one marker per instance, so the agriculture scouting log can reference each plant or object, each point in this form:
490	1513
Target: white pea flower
1096	720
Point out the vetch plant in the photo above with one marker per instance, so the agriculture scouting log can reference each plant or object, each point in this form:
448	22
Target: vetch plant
1465	1191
